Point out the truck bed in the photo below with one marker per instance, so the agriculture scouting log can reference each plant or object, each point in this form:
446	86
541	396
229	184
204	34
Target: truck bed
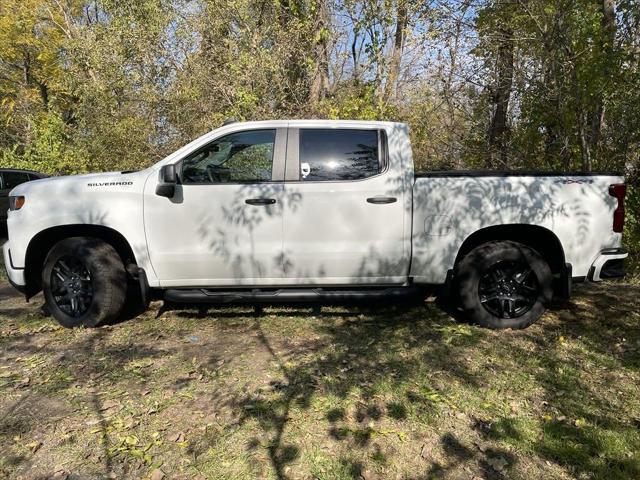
450	206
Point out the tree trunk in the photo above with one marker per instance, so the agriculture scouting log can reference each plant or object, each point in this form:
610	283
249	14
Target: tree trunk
607	42
585	148
501	97
320	81
582	116
354	56
289	14
44	94
393	74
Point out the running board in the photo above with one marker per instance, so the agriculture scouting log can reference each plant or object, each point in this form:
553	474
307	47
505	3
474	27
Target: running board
286	295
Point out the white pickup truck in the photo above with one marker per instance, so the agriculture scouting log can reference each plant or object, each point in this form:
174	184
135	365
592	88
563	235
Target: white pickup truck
311	210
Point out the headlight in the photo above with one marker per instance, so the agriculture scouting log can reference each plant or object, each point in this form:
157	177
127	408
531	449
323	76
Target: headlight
16	203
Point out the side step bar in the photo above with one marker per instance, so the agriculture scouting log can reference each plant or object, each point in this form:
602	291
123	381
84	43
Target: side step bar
287	295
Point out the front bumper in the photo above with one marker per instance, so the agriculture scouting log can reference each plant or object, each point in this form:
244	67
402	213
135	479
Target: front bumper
609	264
15	275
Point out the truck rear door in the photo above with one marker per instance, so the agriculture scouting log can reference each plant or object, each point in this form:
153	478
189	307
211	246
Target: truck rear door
344	210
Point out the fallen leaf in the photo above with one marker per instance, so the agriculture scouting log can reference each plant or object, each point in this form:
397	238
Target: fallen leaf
580	422
157	474
59	474
481	447
368	475
425	452
498	463
24	382
34	446
109	404
178	437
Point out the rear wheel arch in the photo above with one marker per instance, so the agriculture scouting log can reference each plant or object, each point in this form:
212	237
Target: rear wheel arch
541	239
41	244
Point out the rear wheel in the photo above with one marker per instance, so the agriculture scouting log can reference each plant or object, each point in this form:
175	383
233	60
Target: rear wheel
504	285
84	282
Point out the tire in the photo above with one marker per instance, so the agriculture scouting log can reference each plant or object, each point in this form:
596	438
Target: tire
89	271
504	284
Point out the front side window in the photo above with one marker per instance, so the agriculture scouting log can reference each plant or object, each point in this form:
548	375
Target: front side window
13	179
334	155
242	157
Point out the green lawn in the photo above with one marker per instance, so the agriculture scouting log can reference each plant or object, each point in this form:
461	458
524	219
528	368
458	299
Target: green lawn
380	393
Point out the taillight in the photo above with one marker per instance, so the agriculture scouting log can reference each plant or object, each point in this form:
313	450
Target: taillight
618	190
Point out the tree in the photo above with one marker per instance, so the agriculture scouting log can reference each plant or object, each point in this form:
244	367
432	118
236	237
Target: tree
31	80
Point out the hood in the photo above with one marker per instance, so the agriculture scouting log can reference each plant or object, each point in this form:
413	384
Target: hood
77	183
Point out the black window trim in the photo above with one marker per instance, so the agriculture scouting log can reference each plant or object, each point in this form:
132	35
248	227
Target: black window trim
3	181
294	149
279	144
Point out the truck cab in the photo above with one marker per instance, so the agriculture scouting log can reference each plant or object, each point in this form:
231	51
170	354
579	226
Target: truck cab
321	203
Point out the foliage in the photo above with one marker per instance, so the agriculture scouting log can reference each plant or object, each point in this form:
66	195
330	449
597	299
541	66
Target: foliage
91	85
50	151
31	67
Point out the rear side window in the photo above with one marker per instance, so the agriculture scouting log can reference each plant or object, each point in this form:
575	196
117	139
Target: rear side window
13	179
334	155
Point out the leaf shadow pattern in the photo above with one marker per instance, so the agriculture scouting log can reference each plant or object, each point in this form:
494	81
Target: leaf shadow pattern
348	352
345	358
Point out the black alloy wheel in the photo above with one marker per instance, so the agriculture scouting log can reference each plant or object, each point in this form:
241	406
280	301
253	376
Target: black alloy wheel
508	289
71	286
503	284
84	282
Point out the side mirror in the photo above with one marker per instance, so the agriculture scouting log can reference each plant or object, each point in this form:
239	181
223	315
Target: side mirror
167	181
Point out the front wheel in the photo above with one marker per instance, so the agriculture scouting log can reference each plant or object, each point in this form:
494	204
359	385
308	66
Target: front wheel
84	282
504	284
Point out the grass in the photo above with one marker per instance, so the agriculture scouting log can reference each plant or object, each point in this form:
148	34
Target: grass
387	392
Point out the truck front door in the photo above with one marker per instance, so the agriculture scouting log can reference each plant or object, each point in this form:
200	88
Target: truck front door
223	226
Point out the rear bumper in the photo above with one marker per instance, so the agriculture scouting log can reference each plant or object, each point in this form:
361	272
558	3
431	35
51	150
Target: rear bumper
15	275
609	264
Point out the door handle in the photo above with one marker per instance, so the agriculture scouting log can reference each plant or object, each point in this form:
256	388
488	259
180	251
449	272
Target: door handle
381	200
260	201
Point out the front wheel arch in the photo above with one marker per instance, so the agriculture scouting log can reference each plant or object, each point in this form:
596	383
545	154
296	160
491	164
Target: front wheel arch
43	242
